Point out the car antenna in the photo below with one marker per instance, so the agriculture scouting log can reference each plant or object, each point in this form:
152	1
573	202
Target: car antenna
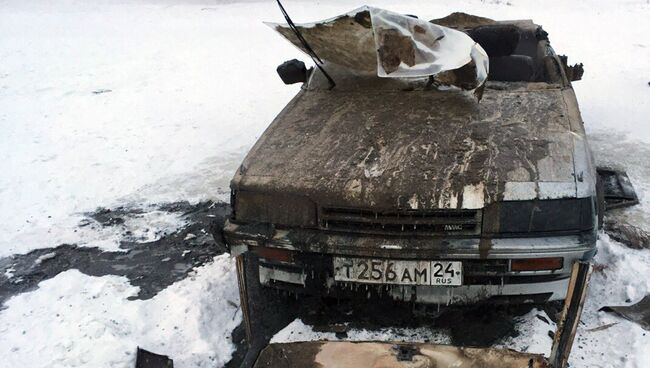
310	51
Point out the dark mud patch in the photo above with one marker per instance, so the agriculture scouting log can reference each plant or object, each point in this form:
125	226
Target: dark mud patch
152	266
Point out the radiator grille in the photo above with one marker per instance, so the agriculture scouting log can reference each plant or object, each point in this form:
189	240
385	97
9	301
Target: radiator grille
402	222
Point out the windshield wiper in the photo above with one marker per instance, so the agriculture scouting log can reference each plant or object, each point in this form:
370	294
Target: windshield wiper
308	49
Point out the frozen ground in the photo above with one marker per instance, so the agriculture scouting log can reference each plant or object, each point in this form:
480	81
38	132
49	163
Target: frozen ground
116	103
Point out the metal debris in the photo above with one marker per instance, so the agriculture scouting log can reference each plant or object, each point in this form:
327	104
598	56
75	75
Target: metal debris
617	187
146	359
603	327
638	313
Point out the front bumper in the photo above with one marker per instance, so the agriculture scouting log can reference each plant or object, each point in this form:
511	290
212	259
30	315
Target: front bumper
487	275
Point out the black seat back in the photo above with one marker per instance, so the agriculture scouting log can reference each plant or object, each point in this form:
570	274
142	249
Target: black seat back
512	68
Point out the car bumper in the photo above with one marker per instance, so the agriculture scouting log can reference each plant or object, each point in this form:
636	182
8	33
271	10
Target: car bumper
487	276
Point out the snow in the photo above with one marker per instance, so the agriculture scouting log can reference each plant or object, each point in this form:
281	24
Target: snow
115	103
79	229
96	325
182	110
623	278
533	334
45	257
299	331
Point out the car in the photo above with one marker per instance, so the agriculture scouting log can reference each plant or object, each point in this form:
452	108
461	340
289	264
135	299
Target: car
396	189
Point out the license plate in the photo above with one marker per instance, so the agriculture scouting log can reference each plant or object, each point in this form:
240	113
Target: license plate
387	271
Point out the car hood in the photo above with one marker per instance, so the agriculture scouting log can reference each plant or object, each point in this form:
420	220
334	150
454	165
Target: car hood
423	149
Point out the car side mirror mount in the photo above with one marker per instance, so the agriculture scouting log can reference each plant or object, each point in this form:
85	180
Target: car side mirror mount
292	71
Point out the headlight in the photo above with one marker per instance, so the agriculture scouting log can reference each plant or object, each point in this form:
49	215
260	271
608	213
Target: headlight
274	209
541	216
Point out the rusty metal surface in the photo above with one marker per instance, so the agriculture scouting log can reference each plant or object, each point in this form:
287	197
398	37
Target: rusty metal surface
420	149
324	354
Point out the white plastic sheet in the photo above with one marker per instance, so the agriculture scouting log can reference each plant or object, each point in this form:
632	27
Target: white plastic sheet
390	44
410	47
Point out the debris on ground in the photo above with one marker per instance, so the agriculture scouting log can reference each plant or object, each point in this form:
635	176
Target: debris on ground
147	359
628	234
100	91
638	313
617	188
603	327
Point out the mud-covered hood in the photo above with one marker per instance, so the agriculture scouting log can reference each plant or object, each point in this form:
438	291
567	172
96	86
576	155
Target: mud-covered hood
423	149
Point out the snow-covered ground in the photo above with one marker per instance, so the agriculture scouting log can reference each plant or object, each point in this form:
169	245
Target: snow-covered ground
116	103
74	320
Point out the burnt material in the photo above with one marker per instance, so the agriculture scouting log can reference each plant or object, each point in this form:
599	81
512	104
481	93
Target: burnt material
405	353
618	189
568	323
632	236
147	359
497	39
265	313
573	72
513	68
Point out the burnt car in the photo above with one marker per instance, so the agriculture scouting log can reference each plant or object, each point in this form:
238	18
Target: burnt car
416	191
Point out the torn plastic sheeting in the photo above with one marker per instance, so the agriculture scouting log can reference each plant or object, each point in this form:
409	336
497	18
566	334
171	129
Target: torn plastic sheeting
374	40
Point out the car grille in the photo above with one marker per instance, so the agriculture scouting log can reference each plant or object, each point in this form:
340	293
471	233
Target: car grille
402	222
